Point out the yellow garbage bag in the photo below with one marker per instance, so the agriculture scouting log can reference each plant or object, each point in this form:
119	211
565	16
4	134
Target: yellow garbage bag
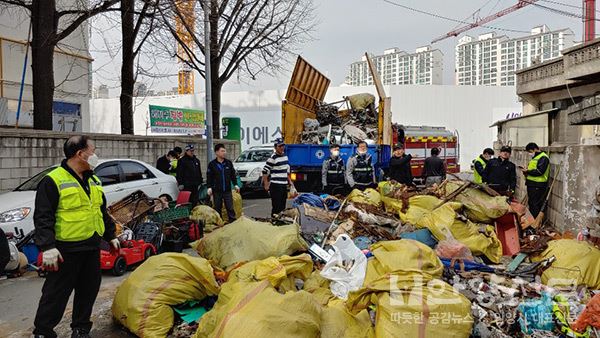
405	255
143	301
237	207
247	240
251	303
410	304
368	196
576	264
338	322
318	286
480	243
442	223
210	216
479	206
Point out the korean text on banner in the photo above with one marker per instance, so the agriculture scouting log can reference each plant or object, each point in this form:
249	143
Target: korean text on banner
168	120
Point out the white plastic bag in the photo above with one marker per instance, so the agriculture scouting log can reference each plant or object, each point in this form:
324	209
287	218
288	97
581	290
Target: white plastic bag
346	268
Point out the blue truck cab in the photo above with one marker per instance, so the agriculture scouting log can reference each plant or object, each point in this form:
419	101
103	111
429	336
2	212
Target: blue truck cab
306	90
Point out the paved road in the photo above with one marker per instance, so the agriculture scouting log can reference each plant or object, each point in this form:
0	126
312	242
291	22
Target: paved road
19	297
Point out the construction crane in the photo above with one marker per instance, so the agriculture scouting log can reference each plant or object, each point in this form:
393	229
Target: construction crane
589	19
487	19
184	24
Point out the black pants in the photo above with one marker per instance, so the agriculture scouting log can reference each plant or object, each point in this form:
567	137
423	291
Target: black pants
536	197
278	194
219	197
4	252
363	187
193	188
336	189
80	271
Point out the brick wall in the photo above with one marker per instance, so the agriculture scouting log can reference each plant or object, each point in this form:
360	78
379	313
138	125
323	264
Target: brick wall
24	153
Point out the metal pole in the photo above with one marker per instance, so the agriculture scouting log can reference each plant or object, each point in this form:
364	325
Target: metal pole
23	77
207	77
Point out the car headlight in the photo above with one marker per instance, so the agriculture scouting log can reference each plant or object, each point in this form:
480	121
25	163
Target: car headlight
14	215
255	173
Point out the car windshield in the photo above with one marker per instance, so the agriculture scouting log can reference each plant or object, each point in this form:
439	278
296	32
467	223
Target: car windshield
32	183
254	156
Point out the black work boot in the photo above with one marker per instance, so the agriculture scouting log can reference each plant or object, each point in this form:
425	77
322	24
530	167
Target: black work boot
80	333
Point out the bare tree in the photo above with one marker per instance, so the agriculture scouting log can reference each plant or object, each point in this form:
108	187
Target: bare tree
248	37
130	29
50	26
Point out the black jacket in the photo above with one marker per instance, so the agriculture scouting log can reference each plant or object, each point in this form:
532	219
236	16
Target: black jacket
188	171
400	170
501	174
219	176
163	164
434	166
542	165
44	216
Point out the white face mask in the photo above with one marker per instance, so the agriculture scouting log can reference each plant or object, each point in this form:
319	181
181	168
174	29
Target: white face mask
335	153
93	161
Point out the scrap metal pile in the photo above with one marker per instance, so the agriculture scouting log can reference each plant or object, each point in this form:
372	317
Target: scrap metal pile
391	262
345	122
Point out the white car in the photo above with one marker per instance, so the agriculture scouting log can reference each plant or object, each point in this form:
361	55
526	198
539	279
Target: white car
119	179
249	166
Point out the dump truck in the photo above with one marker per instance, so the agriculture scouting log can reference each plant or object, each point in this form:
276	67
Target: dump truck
305	92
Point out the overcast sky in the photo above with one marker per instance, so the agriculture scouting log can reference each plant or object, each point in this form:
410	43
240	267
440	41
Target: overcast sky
348	28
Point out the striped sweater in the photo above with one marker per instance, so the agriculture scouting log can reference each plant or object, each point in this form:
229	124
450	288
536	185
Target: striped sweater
278	168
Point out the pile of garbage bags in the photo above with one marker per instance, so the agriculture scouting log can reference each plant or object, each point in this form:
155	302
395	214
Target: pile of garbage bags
380	263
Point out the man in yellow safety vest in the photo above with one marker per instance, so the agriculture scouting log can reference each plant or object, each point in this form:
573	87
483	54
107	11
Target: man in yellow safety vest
480	163
537	175
70	220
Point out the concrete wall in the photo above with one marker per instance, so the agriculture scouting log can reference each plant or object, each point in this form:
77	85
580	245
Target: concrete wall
24	153
570	205
469	110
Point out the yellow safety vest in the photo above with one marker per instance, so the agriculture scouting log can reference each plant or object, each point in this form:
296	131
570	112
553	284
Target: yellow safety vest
173	168
533	165
78	215
476	177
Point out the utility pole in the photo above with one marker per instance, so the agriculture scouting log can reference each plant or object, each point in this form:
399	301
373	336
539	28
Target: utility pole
207	78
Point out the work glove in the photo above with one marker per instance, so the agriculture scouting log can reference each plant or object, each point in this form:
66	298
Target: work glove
237	189
293	191
180	187
50	259
209	191
115	244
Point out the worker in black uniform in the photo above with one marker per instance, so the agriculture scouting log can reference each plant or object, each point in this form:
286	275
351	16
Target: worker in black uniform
434	168
333	172
189	174
220	178
70	220
360	173
501	174
400	169
537	175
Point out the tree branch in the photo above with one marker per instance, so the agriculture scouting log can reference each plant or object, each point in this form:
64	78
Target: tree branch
103	7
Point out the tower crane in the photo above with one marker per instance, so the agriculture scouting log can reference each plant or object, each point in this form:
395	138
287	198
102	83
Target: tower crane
185	28
589	19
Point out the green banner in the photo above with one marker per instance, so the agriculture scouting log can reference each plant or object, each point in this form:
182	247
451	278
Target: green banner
168	120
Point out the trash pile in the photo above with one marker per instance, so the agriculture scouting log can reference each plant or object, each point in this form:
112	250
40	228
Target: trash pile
391	262
349	121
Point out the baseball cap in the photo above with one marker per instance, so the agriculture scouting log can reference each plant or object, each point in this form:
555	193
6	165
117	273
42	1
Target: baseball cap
189	147
398	146
278	141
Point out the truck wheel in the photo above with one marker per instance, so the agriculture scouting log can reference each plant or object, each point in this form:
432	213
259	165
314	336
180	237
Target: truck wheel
147	253
120	266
